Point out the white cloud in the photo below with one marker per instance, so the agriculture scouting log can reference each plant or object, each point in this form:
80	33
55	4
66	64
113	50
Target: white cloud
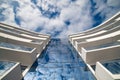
8	12
77	13
30	16
79	16
108	8
113	3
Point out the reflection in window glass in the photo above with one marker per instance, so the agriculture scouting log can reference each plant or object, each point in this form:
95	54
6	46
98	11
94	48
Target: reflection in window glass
113	66
13	46
59	61
5	66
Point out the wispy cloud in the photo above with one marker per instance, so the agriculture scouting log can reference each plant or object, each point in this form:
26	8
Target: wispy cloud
7	13
56	17
107	8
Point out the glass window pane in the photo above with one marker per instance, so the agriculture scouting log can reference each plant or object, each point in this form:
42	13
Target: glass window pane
59	61
14	46
5	66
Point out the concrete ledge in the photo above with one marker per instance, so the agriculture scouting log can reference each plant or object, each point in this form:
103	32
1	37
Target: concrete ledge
38	46
26	58
102	54
97	42
103	74
27	37
107	22
97	34
23	30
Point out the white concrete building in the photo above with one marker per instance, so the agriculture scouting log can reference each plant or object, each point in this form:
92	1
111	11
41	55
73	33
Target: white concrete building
19	45
99	46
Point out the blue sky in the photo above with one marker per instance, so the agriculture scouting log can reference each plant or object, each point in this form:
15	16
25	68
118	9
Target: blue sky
59	18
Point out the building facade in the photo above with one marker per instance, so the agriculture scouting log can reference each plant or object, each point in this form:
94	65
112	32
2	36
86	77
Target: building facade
99	48
19	49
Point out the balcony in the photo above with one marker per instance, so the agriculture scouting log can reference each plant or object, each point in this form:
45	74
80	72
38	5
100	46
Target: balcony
99	48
